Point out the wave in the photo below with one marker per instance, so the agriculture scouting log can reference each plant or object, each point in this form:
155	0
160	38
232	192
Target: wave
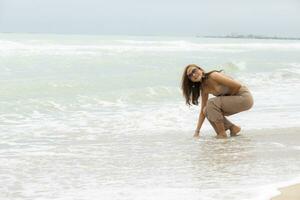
27	48
285	80
282	77
234	66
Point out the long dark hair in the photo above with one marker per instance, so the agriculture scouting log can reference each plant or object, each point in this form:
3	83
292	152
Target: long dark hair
192	90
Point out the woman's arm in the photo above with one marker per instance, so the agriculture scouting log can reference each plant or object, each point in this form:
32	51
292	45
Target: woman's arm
232	84
204	98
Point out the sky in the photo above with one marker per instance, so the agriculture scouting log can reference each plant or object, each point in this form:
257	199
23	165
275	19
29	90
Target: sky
152	17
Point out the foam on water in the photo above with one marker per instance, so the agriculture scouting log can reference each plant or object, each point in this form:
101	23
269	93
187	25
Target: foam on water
87	117
72	164
52	47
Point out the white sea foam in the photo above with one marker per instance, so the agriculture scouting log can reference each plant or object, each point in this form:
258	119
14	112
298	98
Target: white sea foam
10	48
277	144
297	148
273	189
112	122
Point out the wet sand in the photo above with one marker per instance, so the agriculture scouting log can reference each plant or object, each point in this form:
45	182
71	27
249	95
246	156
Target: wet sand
289	193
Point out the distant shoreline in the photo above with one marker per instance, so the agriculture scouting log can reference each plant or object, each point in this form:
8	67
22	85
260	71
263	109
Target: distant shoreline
252	37
233	36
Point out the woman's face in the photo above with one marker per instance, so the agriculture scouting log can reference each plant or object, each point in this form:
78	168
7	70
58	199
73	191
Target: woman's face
194	74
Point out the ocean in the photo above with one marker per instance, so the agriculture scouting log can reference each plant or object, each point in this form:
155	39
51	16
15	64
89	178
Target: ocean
103	117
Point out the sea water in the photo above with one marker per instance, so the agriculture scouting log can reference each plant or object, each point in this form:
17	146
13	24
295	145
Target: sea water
103	117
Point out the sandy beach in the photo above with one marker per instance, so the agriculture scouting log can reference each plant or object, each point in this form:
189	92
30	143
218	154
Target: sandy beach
289	193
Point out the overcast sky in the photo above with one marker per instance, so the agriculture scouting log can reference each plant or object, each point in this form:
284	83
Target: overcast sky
152	17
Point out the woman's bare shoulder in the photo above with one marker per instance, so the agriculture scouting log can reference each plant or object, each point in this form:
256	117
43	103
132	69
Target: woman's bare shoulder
216	75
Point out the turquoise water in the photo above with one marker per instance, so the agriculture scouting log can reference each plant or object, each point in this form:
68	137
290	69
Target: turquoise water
104	115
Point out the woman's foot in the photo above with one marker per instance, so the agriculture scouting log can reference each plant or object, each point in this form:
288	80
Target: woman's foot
221	136
234	130
220	130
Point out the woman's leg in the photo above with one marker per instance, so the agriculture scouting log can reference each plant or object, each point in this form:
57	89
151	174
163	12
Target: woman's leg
227	124
234	129
217	107
215	117
221	129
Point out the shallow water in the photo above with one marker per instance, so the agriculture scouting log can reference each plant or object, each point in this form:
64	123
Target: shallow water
83	117
170	165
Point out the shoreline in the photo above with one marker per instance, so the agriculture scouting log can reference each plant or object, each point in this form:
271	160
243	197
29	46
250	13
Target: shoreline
291	192
254	37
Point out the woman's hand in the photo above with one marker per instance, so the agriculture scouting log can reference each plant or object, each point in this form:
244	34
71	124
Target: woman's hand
196	134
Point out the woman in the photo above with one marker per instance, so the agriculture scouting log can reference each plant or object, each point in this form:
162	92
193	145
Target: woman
231	97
